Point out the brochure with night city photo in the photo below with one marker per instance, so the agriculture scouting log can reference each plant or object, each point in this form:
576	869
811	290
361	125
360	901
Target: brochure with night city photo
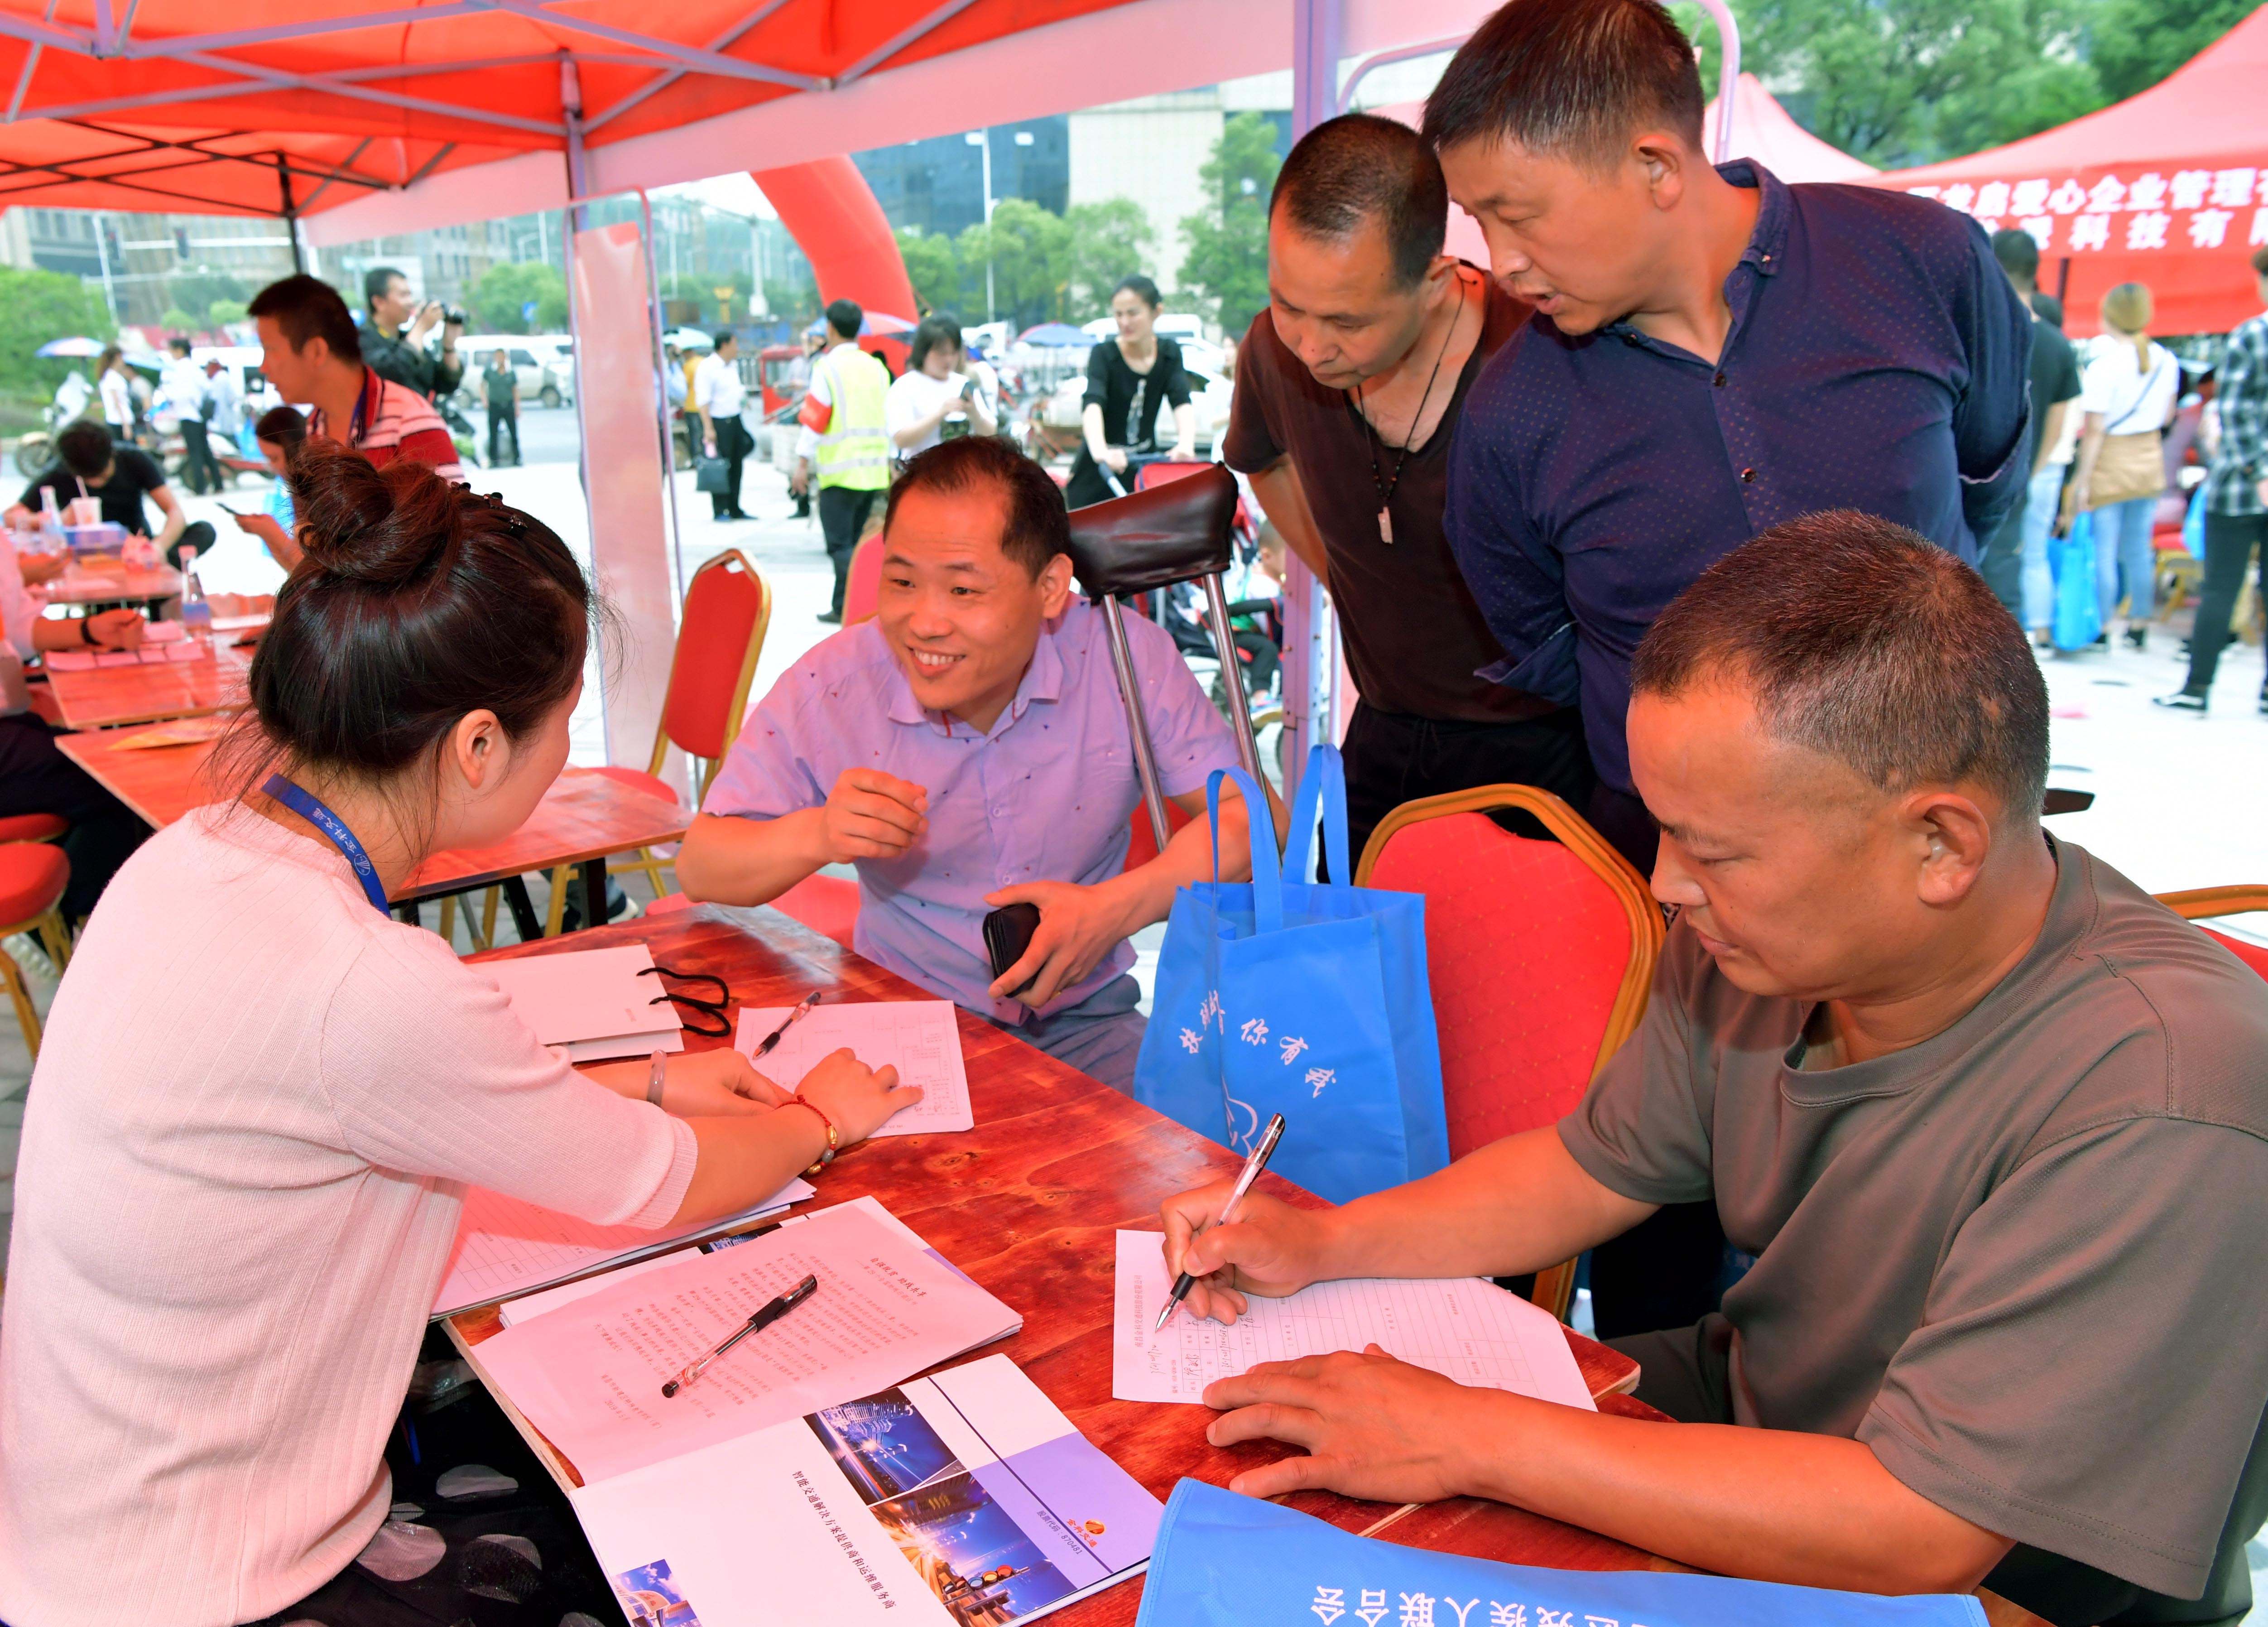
964	1499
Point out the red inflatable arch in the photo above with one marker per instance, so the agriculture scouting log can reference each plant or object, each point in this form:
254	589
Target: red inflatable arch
831	212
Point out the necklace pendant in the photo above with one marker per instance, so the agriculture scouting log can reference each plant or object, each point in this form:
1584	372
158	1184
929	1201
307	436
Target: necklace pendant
1386	527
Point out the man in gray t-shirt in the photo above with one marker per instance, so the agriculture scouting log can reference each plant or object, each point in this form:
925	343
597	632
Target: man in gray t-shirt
1994	1123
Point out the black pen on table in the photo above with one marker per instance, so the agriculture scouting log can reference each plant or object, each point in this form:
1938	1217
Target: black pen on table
802	1009
1253	1166
757	1323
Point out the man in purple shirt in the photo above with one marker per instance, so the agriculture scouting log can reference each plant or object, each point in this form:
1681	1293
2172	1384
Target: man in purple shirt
967	749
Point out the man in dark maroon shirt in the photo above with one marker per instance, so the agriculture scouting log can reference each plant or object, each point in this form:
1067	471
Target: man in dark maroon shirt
1348	387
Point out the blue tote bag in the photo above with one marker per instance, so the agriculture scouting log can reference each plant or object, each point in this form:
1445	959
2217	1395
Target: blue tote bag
1276	996
2077	611
1222	1560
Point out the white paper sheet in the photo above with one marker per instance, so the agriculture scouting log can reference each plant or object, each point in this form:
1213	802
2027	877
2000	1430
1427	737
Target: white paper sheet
514	1311
588	994
921	1039
506	1247
1460	1326
590	1375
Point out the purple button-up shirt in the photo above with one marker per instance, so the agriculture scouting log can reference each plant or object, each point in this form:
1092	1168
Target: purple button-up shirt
1047	794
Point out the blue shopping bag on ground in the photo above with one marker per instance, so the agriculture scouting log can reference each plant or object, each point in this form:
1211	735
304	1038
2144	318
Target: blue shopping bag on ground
2078	609
1283	995
1222	1560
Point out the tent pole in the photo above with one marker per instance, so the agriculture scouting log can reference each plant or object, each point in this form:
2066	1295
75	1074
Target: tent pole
661	409
291	214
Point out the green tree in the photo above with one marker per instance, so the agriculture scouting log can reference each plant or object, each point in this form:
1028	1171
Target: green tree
36	306
2136	43
932	269
504	291
1227	260
1029	249
1109	241
221	312
193	292
1906	81
176	320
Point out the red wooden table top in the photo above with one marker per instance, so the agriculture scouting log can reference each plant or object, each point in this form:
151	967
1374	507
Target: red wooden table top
1027	1204
583	815
148	692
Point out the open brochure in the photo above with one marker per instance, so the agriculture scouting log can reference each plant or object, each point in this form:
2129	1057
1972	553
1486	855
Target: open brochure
961	1499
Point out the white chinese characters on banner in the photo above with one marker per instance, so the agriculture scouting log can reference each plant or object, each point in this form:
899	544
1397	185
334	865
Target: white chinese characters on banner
2195	208
1423	1609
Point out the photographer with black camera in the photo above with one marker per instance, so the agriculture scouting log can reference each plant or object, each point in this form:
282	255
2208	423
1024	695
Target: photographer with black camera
394	338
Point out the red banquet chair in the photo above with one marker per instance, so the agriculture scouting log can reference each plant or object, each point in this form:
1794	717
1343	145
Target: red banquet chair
33	877
728	609
1540	955
2203	903
862	594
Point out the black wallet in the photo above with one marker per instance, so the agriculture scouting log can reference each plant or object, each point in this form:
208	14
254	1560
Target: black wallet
1007	934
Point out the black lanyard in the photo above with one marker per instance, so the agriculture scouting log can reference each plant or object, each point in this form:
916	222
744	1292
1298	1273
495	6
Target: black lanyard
1372	440
332	826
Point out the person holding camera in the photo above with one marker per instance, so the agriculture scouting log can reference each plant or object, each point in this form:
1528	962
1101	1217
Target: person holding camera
394	338
934	400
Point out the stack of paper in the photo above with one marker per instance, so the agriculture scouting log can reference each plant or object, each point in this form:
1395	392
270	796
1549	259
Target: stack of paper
589	1374
591	1003
1460	1326
506	1247
921	1039
965	1498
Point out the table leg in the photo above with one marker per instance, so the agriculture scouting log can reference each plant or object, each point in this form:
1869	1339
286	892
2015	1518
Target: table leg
594	889
407	913
523	909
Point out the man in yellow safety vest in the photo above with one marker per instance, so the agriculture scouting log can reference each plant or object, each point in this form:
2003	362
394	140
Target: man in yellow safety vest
843	434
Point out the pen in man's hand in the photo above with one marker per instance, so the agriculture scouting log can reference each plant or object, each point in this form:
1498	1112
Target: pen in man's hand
1253	1166
757	1323
764	1047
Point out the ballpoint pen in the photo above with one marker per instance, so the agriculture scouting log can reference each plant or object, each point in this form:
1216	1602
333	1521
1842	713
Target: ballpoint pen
1253	1166
793	1017
757	1323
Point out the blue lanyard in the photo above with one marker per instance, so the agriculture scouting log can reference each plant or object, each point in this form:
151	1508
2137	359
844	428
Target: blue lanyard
332	826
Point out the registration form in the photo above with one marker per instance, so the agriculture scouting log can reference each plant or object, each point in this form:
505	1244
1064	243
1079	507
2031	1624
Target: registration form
921	1039
1461	1327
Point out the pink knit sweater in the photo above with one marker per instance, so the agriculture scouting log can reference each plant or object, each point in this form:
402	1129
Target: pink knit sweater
244	1151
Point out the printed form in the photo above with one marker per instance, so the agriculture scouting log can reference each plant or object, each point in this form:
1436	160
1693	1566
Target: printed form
919	1038
1460	1326
589	1375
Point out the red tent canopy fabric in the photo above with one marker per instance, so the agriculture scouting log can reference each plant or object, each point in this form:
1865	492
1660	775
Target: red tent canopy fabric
2169	188
172	104
1762	131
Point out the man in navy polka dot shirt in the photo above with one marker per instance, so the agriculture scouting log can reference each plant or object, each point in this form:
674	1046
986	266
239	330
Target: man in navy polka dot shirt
1713	352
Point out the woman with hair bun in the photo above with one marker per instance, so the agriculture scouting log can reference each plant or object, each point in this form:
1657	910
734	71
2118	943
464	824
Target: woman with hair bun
260	1099
1128	379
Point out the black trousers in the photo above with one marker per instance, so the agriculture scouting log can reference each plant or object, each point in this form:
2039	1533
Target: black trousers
1392	758
200	471
503	421
195	537
35	777
2230	539
842	516
734	443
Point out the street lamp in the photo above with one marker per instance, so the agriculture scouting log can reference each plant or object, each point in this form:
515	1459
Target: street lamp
977	138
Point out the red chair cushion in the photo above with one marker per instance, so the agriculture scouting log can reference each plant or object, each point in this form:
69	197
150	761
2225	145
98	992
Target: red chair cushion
1145	846
2252	954
828	905
862	593
1525	947
32	876
33	827
721	611
639	779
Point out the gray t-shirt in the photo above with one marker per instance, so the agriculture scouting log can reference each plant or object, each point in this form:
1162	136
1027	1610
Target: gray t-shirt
2023	1260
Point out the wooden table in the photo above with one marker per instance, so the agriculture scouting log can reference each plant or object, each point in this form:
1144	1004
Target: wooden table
584	817
1027	1204
149	692
111	583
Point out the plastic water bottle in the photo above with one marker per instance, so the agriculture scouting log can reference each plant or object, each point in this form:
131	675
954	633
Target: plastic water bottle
51	521
196	612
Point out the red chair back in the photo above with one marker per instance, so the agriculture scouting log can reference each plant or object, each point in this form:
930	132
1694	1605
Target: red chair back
1539	953
862	595
2204	902
728	610
1157	473
1145	846
2252	954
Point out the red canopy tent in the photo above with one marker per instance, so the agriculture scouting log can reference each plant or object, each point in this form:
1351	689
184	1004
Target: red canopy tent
2170	189
1762	131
